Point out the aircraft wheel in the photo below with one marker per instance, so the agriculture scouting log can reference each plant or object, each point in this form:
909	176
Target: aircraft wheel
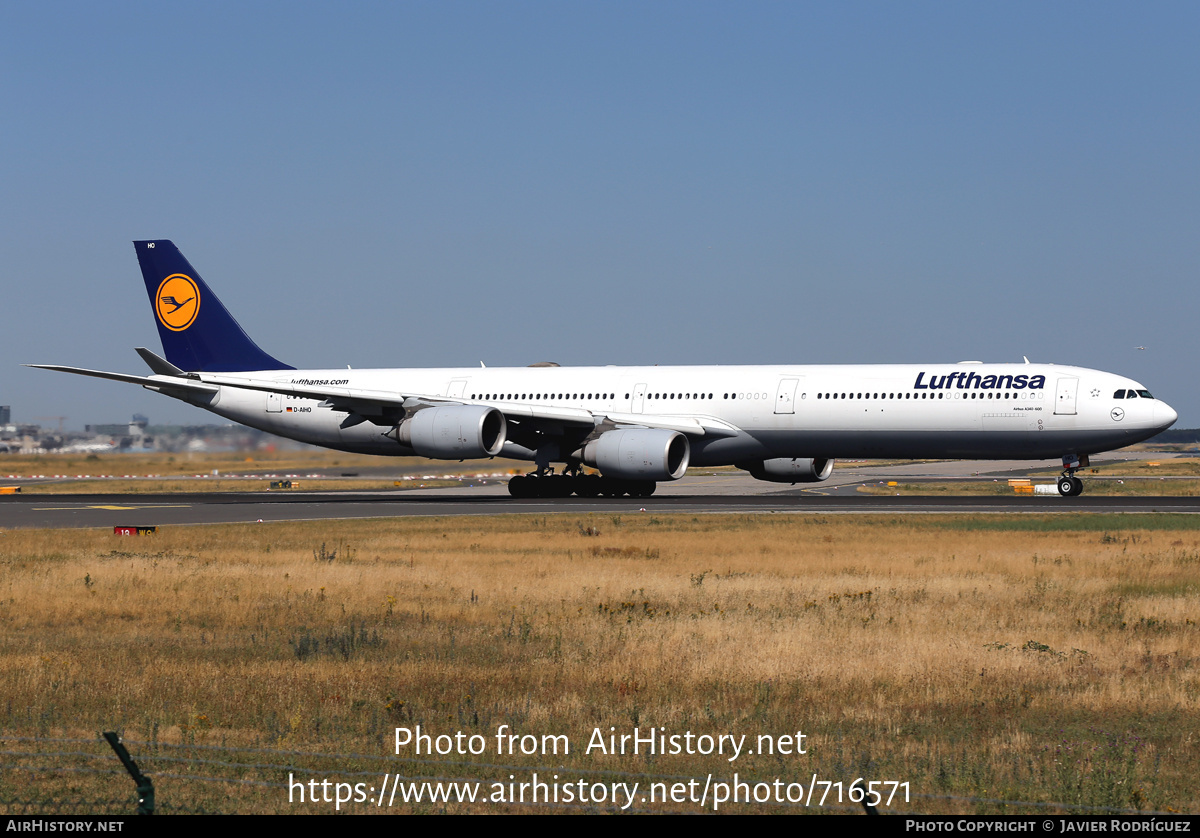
519	487
612	488
642	489
588	485
1070	486
560	486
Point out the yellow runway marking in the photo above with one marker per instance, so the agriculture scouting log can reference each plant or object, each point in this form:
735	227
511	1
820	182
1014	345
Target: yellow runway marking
61	508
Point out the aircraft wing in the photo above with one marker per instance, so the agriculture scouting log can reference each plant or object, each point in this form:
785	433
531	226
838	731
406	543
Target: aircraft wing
339	397
379	403
383	407
690	425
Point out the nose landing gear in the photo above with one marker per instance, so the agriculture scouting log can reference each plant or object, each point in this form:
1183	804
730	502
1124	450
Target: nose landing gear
1070	486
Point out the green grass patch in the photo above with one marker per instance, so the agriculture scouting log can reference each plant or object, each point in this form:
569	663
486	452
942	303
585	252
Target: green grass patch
1080	522
1156	589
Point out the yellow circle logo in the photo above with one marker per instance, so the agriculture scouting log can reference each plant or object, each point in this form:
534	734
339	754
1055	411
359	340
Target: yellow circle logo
177	302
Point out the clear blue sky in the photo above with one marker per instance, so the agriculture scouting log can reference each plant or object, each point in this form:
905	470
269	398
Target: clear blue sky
436	184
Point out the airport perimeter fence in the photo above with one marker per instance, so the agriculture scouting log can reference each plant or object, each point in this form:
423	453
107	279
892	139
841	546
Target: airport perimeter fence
90	776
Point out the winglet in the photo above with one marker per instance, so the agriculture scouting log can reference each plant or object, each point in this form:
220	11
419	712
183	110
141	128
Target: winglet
198	333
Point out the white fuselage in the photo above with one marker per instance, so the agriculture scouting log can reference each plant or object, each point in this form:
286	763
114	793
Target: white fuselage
966	410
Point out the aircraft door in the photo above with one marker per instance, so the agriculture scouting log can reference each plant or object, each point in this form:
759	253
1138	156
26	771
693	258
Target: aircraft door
456	389
785	399
274	403
1064	399
639	397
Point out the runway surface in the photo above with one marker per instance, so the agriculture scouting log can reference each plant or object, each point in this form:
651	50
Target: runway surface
698	493
58	511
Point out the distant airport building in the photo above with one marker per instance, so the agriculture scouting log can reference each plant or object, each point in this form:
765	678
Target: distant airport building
5	414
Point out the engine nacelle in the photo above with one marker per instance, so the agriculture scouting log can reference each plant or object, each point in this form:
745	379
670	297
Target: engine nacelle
790	469
460	432
639	454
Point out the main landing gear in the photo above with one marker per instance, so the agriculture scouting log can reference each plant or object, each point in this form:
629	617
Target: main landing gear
1070	486
583	485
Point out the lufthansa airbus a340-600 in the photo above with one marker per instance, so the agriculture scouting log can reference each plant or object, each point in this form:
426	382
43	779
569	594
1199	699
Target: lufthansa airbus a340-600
636	425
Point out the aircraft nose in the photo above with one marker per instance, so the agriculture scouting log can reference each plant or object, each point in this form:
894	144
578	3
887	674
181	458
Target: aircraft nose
1164	415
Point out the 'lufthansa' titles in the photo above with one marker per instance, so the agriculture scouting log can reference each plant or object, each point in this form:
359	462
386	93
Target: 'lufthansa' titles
975	381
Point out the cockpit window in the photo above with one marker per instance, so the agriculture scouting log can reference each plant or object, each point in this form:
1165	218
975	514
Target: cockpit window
1145	394
1120	394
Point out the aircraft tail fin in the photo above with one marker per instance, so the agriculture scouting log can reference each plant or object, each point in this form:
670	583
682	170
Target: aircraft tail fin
198	333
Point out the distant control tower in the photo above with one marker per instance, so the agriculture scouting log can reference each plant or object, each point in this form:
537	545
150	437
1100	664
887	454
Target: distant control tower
137	427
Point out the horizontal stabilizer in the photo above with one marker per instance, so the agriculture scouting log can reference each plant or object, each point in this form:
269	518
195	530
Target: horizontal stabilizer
155	382
159	366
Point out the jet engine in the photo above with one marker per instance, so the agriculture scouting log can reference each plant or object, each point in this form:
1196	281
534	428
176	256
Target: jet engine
639	454
460	432
790	469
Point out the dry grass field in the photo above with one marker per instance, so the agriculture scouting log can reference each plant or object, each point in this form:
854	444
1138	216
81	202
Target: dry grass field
1110	487
1174	477
161	473
994	664
189	463
180	485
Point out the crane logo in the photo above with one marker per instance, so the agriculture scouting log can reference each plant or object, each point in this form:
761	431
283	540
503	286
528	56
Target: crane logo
177	302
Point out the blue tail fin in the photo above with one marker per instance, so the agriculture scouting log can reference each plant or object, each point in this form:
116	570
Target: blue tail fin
198	333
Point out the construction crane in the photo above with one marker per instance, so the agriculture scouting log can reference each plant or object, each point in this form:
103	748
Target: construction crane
60	419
